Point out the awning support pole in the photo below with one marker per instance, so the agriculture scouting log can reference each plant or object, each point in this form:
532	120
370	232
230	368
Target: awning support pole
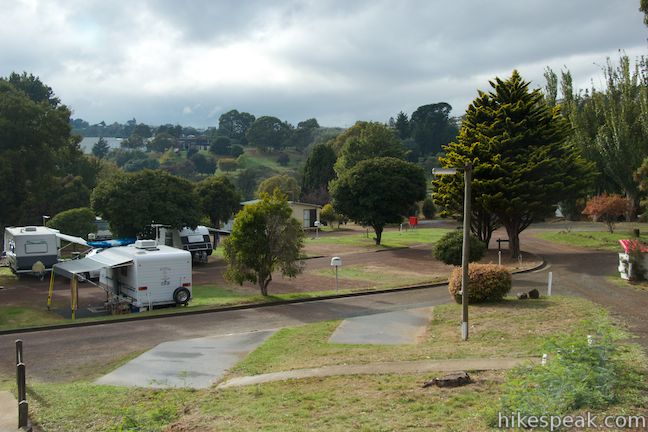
51	290
74	296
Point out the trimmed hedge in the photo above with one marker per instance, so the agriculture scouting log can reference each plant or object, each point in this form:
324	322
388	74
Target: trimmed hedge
486	282
449	248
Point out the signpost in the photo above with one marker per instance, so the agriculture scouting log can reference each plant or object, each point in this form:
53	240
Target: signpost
337	263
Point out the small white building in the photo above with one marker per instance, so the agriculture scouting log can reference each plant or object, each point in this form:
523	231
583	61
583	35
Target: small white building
305	213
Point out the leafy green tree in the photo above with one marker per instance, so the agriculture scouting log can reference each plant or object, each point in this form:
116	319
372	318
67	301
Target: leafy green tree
310	123
143	130
285	183
318	172
140	163
268	133
220	145
101	148
219	199
34	88
265	238
234	124
236	151
283	159
432	128
134	141
248	180
161	142
643	7
428	208
522	164
132	201
34	140
66	193
76	222
328	215
373	140
378	191
204	164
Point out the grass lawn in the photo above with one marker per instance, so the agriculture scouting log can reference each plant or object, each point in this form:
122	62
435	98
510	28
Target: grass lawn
366	403
6	276
19	316
382	278
590	239
390	239
642	285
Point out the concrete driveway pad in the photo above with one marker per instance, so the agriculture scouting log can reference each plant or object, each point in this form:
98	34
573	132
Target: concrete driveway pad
391	328
191	363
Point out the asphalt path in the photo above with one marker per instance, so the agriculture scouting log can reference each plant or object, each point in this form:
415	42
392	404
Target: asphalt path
66	354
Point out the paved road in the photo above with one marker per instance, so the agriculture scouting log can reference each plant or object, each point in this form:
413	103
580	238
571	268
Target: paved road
71	353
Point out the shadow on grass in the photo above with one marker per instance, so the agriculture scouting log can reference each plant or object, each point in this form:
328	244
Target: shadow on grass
541	303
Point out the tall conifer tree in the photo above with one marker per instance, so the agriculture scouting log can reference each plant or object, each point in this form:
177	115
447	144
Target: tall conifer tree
522	164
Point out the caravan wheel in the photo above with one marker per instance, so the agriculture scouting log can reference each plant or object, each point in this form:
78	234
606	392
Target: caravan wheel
181	296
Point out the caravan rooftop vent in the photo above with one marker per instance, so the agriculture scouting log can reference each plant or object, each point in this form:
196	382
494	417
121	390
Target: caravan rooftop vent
30	229
145	244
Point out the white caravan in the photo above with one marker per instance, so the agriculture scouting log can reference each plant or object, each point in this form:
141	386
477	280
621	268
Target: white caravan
196	241
146	274
25	246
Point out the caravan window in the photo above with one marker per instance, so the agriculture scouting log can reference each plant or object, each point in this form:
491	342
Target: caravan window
35	247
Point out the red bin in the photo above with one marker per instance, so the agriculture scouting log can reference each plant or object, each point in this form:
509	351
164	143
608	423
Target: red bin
413	221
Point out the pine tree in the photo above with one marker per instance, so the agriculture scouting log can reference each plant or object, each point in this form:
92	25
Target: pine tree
522	163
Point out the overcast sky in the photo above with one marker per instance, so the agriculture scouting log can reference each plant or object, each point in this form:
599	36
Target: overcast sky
187	62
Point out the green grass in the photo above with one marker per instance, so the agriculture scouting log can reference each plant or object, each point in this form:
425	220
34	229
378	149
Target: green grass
6	276
590	239
508	329
384	278
21	316
641	285
364	403
390	239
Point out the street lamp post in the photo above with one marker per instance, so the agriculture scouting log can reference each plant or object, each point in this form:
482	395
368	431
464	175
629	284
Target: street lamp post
465	255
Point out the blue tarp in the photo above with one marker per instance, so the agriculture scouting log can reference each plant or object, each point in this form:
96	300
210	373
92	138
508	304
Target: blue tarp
111	243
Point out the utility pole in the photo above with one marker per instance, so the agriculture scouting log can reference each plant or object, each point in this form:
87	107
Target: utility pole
465	252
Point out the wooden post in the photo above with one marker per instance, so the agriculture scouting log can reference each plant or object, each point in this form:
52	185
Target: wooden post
73	296
51	289
23	407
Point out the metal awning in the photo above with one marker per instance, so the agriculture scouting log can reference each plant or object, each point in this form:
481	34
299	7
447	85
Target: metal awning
72	239
90	264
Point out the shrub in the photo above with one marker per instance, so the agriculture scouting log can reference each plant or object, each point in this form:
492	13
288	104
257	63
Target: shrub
328	215
236	151
283	159
486	282
227	164
578	376
428	208
607	208
448	248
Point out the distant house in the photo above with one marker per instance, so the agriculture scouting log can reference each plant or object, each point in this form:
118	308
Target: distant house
192	141
305	213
